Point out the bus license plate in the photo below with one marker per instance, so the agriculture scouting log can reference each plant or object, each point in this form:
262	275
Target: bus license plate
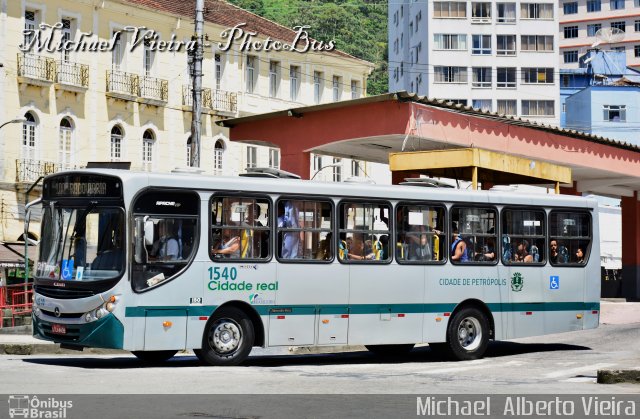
59	329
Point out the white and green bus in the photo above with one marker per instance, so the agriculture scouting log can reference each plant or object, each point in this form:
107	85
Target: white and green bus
157	263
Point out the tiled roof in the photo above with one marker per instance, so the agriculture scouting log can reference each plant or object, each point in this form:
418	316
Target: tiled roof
227	15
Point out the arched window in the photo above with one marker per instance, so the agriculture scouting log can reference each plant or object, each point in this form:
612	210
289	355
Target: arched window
66	144
218	153
29	141
116	143
148	140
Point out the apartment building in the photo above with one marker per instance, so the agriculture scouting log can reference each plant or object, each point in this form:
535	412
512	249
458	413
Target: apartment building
499	56
580	21
132	102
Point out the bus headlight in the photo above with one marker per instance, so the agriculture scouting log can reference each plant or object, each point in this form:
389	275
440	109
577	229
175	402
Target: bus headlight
109	307
87	317
99	313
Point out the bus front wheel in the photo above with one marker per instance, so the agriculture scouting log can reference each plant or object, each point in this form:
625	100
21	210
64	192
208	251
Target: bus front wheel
154	357
228	338
468	334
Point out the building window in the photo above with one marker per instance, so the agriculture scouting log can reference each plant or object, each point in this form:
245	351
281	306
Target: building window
506	12
536	43
318	86
148	140
116	143
252	157
570	56
462	102
251	74
481	44
336	88
537	75
218	154
66	36
444	41
450	74
506	77
274	78
117	54
619	25
355	168
337	170
218	70
449	9
481	77
636	50
615	113
536	11
538	108
317	163
30	23
507	107
570	32
481	104
189	151
592	29
274	158
636	25
594	6
618	49
570	8
616	4
480	12
148	58
505	44
29	143
355	88
65	151
294	82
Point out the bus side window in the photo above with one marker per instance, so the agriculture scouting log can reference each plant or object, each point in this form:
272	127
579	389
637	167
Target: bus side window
304	231
571	235
419	233
365	228
473	238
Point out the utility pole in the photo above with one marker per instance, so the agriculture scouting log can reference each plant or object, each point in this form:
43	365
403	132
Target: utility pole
196	75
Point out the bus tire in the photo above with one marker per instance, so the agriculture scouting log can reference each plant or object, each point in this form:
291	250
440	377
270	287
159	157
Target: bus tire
154	357
228	338
390	350
468	334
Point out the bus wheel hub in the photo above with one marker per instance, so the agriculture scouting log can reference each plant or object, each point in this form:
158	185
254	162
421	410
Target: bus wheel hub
226	336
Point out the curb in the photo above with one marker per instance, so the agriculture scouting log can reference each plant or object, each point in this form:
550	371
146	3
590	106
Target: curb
618	376
52	349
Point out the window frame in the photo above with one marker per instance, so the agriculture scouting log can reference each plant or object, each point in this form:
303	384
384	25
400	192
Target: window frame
587	254
545	235
332	229
497	235
396	229
362	201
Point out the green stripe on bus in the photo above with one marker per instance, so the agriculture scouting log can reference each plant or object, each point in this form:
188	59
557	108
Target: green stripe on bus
265	310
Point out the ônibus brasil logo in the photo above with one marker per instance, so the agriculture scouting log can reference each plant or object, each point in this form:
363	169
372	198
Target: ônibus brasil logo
517	282
32	407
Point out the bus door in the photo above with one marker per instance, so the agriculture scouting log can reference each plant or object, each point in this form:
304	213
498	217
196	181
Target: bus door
312	287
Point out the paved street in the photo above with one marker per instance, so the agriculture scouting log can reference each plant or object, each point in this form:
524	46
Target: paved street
563	363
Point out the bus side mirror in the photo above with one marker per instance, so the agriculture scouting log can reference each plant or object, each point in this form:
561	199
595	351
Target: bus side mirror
148	233
139	250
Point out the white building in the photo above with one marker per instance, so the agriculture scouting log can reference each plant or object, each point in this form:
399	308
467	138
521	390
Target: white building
500	56
580	21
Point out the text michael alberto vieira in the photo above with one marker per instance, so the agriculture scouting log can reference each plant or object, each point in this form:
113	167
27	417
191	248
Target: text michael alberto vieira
44	39
525	406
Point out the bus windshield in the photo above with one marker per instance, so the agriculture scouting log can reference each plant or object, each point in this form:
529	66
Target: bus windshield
81	243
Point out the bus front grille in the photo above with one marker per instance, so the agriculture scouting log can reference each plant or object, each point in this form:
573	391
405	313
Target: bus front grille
62	293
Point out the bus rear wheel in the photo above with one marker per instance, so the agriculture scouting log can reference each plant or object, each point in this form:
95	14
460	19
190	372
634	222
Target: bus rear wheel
390	350
154	357
228	338
468	334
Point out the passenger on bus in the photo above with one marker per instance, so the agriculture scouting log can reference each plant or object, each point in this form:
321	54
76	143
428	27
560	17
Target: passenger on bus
167	246
324	248
488	253
357	251
420	250
580	254
459	251
522	254
288	217
229	246
260	238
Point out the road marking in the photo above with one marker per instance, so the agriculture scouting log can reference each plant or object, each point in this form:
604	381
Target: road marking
573	371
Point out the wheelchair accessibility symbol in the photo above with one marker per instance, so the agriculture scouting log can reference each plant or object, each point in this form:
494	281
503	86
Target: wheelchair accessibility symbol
554	282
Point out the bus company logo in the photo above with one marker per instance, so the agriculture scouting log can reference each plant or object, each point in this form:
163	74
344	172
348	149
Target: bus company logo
168	204
256	299
517	282
32	407
254	267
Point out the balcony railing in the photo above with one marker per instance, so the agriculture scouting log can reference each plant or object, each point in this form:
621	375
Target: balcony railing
224	101
153	88
72	74
122	83
35	67
29	170
187	97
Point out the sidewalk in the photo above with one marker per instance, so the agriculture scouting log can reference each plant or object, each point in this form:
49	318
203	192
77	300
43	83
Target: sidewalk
20	342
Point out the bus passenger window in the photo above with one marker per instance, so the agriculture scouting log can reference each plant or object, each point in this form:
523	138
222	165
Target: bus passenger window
240	228
473	235
420	234
304	230
570	237
524	236
364	232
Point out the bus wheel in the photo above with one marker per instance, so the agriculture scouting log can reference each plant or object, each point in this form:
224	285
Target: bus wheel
228	338
468	334
154	357
390	350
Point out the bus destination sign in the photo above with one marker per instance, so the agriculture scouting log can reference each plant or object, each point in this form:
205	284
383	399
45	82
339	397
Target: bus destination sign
80	186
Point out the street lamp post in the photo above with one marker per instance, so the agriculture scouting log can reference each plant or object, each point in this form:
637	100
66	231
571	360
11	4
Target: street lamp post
14	121
325	167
